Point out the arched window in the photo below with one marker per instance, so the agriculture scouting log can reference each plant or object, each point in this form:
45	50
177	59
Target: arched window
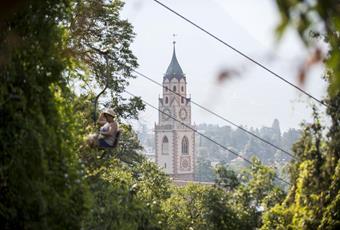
174	88
185	145
165	145
182	88
166	88
166	100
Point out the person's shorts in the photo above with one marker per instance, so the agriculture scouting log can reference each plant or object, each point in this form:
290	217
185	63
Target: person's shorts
103	143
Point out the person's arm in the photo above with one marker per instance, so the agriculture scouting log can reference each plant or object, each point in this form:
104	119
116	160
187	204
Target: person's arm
101	120
111	131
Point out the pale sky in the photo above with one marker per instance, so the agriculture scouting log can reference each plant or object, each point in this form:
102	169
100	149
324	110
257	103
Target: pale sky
255	98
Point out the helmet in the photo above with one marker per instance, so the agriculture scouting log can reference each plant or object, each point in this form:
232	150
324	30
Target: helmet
110	112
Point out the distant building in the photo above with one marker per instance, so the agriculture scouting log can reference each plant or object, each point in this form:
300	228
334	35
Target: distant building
174	142
149	154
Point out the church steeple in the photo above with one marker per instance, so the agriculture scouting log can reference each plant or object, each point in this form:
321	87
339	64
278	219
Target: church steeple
175	142
174	69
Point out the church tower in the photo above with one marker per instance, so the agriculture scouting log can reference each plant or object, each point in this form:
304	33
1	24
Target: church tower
175	143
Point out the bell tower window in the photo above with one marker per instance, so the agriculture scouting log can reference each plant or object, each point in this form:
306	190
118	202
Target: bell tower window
165	146
185	146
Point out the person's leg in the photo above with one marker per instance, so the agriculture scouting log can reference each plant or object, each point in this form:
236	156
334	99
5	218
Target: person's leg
92	140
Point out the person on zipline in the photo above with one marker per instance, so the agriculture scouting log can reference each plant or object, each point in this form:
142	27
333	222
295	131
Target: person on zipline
108	132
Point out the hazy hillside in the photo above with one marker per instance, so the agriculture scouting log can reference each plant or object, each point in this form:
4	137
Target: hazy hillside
209	154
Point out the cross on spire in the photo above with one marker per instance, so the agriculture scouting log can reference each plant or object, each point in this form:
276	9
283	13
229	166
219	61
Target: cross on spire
174	36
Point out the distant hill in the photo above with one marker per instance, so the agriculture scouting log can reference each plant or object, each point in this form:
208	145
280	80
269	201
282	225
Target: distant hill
246	145
209	154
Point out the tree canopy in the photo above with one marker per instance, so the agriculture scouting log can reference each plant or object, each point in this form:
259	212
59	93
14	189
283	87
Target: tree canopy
55	56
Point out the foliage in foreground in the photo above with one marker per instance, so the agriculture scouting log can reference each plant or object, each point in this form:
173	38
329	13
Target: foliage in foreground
313	200
43	177
140	196
50	180
40	182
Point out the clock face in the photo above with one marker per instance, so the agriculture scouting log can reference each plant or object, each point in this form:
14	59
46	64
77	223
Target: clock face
185	163
183	113
164	114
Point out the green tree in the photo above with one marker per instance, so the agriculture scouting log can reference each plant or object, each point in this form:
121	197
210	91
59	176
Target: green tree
49	178
126	196
257	192
226	178
153	188
311	202
41	185
307	17
313	199
199	207
100	43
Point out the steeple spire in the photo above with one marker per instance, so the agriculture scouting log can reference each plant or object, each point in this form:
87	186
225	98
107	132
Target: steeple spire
174	69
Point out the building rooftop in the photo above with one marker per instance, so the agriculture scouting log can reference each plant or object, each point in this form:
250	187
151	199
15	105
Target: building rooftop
174	69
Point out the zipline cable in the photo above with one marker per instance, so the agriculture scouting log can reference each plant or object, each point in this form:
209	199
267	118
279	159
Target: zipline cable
219	116
210	111
203	135
241	53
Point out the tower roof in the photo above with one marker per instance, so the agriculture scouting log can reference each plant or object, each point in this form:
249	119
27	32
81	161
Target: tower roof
174	69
